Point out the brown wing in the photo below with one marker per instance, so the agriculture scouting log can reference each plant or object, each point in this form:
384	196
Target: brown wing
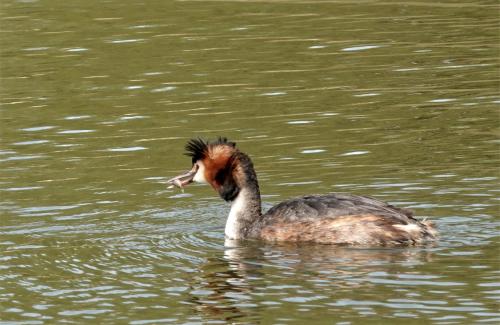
334	205
370	230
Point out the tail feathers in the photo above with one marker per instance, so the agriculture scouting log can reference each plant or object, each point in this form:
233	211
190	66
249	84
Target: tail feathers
430	228
418	232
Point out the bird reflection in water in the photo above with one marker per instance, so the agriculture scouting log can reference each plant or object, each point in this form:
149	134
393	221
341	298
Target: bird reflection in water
226	282
232	283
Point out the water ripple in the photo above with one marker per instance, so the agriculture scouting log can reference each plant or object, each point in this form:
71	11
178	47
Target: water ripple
360	48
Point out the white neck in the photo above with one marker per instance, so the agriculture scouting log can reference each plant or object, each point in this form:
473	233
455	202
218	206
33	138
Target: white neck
233	222
245	210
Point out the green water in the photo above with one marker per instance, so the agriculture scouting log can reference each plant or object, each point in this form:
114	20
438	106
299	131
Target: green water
397	100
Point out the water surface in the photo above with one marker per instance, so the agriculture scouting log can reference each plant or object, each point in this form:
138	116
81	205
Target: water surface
397	100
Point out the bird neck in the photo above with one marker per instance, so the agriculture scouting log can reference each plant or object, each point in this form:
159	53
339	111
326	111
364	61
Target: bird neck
245	211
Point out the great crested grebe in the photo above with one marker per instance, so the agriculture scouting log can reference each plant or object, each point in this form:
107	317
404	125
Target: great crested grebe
334	218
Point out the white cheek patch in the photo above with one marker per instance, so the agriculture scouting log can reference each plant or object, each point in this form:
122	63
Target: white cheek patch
199	177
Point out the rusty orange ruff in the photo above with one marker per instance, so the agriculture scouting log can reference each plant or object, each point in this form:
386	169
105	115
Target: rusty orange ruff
216	159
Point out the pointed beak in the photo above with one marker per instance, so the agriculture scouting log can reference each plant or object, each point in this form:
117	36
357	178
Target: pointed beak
184	179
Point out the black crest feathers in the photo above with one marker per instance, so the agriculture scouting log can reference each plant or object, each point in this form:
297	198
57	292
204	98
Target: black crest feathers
198	148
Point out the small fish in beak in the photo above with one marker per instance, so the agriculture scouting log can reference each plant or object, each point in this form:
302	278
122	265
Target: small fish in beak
182	180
